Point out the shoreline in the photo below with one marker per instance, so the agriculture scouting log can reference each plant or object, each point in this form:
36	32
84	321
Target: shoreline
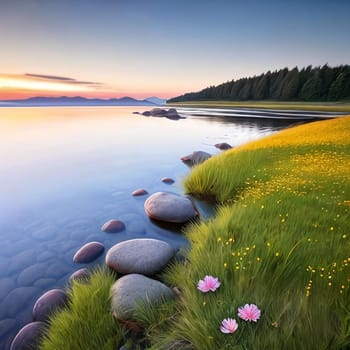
307	106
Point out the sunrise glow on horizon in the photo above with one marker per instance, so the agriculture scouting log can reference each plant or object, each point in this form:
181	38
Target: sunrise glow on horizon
24	86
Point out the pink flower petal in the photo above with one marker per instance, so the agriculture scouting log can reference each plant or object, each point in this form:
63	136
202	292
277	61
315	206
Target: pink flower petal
249	312
228	325
209	283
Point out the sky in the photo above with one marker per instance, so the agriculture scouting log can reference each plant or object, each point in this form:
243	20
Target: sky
164	48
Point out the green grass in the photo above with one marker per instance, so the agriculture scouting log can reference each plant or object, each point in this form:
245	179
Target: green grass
308	106
87	324
280	239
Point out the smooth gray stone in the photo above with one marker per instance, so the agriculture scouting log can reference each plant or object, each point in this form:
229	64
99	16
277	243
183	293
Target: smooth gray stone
223	146
48	303
79	275
169	207
158	112
88	252
130	290
197	157
139	192
113	226
145	256
28	338
167	180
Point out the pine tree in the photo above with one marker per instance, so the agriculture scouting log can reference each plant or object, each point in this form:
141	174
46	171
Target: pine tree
311	91
290	85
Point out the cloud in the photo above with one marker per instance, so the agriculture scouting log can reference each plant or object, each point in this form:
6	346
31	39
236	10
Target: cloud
62	79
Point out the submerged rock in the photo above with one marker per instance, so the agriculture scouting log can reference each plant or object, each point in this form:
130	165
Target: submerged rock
48	303
79	275
139	192
88	252
223	146
197	157
171	113
29	337
130	290
169	207
167	180
145	256
113	226
158	112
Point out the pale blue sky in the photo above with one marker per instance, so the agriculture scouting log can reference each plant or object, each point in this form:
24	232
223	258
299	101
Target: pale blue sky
169	47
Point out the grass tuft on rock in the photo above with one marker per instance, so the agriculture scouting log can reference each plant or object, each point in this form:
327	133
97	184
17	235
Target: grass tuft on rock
87	323
280	240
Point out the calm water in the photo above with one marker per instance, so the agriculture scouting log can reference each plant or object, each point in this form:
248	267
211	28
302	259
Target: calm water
65	171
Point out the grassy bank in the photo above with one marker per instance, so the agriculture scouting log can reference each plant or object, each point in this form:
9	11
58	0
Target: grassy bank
307	106
280	240
87	323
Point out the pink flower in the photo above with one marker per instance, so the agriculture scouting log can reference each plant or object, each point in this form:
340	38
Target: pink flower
208	283
228	325
249	312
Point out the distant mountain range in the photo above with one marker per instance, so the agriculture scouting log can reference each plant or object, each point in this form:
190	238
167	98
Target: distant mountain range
82	101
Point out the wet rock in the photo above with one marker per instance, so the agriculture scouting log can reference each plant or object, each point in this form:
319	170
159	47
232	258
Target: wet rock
80	275
48	303
28	338
6	325
145	256
197	157
223	146
171	113
88	252
158	112
113	226
169	207
168	180
132	289
139	192
19	298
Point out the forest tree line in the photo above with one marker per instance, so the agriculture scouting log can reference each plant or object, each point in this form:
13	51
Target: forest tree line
308	84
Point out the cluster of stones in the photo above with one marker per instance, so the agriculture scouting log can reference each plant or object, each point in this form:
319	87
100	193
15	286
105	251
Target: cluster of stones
140	259
30	335
136	259
171	113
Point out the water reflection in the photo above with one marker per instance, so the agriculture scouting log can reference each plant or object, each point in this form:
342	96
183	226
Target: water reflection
66	171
